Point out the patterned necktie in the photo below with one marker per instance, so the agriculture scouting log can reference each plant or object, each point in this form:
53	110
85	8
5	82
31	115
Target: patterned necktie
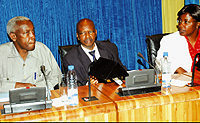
93	54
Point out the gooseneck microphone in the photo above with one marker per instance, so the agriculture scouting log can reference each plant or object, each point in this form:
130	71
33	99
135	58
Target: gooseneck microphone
89	83
140	55
193	70
47	86
90	98
140	62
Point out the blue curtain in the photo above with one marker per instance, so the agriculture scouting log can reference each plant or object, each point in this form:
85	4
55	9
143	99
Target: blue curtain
191	2
124	22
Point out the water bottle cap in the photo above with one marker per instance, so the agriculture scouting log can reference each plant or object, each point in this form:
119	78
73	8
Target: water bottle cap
165	54
70	67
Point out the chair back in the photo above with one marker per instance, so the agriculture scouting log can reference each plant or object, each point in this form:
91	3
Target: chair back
153	45
62	50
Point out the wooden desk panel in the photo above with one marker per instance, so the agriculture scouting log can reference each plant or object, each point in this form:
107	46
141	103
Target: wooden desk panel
181	105
100	110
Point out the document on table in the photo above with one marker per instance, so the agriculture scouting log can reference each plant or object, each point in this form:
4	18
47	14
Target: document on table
180	80
57	102
4	97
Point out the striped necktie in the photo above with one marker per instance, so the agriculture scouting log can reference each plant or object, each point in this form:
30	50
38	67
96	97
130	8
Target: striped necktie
93	54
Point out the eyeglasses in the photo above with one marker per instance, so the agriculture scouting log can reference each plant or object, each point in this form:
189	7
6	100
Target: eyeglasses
88	32
184	22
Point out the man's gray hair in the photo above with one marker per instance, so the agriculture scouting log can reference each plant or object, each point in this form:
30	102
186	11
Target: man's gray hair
12	23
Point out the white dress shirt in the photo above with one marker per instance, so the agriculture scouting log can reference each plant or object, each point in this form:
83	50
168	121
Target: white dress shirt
97	55
14	69
178	51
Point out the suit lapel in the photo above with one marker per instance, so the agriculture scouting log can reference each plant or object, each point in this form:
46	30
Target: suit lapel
102	50
84	59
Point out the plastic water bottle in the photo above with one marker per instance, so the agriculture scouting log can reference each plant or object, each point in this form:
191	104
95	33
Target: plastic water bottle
166	73
72	87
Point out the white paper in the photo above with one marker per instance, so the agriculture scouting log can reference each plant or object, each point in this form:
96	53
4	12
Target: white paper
57	102
180	80
179	83
118	81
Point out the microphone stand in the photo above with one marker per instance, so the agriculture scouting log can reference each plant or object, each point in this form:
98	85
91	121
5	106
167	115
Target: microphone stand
193	70
140	62
48	91
90	98
89	86
156	70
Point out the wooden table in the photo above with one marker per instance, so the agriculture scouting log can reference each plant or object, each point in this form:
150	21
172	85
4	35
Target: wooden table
182	105
102	109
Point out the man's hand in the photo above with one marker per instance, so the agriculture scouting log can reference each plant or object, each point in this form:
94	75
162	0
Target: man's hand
93	80
19	85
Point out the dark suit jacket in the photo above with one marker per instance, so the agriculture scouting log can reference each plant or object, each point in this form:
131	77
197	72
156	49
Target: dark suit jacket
77	57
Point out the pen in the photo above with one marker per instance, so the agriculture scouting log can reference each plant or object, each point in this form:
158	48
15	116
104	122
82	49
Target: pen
34	77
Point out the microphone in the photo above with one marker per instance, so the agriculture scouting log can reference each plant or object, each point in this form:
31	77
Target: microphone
140	55
43	70
193	70
90	98
140	62
47	86
89	83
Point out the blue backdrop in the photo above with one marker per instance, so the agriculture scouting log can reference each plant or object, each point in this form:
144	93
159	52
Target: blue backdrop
124	22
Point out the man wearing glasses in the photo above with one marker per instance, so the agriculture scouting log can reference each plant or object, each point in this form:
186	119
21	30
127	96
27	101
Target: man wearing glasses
88	50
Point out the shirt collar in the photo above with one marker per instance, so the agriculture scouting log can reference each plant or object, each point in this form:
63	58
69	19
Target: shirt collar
15	53
87	50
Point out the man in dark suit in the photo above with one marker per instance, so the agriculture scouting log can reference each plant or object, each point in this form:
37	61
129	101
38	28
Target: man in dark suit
79	55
